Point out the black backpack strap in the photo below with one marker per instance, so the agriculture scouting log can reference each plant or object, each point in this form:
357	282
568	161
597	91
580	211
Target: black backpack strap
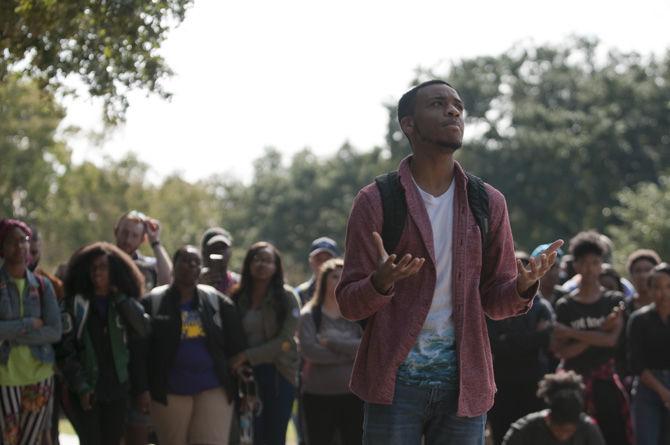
394	209
478	200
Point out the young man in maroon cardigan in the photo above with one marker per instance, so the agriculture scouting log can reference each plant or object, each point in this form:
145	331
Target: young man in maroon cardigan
424	367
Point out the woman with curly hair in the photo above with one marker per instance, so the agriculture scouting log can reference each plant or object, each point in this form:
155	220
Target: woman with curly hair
269	311
102	343
29	324
328	345
564	422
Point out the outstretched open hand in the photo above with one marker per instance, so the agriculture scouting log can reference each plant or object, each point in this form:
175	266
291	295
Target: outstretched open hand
388	271
536	268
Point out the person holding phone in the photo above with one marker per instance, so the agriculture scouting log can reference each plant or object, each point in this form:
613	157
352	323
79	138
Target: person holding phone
216	247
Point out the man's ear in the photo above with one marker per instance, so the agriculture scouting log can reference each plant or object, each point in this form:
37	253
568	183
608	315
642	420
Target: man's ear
407	125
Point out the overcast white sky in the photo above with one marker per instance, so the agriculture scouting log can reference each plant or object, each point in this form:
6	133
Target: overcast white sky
296	74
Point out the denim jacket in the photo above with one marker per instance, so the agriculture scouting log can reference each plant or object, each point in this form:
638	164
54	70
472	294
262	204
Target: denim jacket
39	301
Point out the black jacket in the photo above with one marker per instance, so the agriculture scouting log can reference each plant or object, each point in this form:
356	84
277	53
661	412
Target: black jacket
222	326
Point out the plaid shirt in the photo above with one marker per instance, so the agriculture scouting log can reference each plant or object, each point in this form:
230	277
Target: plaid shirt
397	318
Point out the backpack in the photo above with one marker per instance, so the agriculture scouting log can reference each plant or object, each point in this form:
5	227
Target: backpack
394	208
210	297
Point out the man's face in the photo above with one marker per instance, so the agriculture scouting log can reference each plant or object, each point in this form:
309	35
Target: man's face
438	118
316	260
15	247
129	235
217	255
187	267
589	266
639	274
35	253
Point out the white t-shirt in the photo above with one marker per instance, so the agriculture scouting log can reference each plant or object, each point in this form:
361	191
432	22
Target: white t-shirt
433	359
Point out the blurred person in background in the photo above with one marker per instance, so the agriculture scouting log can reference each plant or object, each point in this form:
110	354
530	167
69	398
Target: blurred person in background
564	422
100	354
519	346
269	310
195	334
640	263
216	248
608	252
131	231
328	346
30	324
649	347
35	250
321	250
586	335
610	278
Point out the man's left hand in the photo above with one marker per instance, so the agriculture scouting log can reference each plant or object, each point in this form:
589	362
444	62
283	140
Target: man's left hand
536	268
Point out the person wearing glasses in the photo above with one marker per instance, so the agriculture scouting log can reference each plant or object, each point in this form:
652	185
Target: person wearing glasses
269	311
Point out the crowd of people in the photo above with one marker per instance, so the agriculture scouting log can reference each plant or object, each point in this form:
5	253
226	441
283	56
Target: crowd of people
179	349
137	349
426	331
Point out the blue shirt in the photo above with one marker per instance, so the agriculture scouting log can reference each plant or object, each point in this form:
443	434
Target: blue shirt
193	368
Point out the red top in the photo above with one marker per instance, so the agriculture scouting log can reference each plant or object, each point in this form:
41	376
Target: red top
397	318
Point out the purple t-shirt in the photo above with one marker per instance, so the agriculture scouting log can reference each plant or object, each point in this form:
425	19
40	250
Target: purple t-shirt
193	369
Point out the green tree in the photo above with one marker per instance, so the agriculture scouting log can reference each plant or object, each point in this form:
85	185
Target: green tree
30	155
87	201
644	213
560	133
111	46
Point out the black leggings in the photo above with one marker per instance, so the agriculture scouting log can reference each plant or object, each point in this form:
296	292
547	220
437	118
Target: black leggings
328	415
103	424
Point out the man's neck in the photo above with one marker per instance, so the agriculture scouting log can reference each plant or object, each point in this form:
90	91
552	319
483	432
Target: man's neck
589	292
642	299
433	172
186	293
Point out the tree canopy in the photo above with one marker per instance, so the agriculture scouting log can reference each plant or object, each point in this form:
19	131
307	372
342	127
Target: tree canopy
111	46
575	138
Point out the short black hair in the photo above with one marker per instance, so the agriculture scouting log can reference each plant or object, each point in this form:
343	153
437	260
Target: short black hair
641	254
564	394
407	102
585	243
184	249
660	268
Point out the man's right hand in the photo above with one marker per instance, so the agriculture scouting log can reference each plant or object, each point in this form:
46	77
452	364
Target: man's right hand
388	271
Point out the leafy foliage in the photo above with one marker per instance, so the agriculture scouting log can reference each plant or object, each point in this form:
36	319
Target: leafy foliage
574	137
111	46
644	212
